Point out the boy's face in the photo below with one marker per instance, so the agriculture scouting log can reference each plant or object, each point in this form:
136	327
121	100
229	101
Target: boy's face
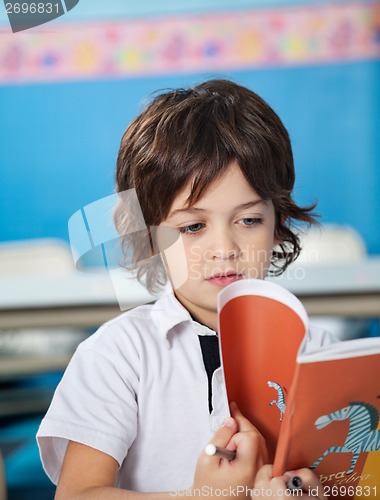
227	235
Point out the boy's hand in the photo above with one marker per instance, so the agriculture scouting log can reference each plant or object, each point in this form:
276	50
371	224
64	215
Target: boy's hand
311	487
217	476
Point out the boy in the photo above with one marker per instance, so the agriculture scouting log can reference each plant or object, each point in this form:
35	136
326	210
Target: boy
142	397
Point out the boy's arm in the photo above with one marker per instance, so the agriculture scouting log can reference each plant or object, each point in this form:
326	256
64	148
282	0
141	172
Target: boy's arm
88	473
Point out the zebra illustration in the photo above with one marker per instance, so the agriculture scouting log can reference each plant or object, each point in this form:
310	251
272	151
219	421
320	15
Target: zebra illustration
362	434
280	402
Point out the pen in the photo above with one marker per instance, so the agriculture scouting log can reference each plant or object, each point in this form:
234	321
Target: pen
211	450
294	483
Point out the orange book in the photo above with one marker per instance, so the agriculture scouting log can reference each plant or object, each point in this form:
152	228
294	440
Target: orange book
318	409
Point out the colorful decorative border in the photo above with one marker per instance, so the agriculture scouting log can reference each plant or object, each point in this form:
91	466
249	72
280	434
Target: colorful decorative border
192	43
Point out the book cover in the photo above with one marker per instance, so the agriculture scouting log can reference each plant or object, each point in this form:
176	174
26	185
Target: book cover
317	409
261	327
332	420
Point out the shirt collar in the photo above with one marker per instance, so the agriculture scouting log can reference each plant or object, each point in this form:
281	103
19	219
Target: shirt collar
168	312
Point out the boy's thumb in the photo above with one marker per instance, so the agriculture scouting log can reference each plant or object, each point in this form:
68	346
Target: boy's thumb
224	434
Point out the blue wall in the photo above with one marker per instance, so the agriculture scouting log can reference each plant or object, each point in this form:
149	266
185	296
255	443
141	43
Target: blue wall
59	142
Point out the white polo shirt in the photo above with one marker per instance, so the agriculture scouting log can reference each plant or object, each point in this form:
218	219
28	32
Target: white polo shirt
137	390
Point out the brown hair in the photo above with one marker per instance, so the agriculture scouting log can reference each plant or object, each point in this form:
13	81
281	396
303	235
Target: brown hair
192	135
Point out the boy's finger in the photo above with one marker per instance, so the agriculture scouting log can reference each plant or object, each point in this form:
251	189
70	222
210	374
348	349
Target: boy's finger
264	475
310	482
244	425
250	446
224	434
309	479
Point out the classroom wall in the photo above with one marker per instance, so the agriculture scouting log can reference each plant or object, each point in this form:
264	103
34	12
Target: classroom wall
60	128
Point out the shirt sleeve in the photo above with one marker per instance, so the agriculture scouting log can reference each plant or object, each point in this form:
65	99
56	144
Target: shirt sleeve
317	338
94	404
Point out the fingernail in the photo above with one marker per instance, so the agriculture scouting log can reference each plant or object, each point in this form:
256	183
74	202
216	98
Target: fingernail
290	473
228	422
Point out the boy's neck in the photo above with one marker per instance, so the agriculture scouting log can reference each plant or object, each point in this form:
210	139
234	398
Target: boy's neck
206	317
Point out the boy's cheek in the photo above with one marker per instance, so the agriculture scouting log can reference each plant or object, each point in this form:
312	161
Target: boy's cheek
176	263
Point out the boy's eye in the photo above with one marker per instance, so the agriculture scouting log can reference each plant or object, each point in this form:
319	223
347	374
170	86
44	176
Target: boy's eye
192	228
250	221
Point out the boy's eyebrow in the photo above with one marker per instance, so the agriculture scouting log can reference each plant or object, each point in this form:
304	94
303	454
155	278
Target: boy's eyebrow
195	210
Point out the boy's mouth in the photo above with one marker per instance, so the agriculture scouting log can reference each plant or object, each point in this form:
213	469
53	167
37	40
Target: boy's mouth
224	279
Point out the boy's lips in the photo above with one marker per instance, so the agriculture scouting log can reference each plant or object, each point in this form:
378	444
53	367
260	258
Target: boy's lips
223	279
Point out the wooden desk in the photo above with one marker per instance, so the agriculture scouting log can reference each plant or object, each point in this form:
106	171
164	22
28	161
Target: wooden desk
87	300
78	300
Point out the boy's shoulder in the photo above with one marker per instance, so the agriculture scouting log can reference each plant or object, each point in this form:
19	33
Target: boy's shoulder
318	337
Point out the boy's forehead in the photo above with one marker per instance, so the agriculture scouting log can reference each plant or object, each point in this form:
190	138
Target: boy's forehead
199	210
230	188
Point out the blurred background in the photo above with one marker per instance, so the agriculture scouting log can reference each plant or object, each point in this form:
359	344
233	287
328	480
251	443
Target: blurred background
69	88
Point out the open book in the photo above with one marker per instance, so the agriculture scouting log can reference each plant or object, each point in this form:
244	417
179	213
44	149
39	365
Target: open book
316	408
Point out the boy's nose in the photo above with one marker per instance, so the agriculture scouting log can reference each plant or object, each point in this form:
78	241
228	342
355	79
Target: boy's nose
224	246
224	254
